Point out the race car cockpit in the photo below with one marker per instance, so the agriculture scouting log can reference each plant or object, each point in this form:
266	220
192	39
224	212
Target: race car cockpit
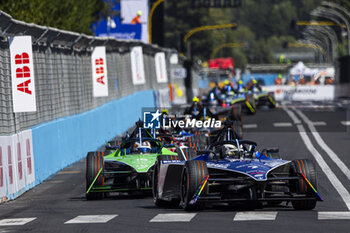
143	146
235	149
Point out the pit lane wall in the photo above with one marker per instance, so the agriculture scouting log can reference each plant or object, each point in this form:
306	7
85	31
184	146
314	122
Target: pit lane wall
31	156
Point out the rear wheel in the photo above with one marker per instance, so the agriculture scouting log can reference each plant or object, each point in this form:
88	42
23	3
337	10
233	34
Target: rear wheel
189	153
155	192
94	163
193	174
307	168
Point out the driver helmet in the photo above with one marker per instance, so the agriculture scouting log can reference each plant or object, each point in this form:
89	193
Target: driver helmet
195	99
165	111
229	150
145	147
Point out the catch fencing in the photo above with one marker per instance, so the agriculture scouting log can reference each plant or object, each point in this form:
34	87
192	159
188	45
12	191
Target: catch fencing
63	73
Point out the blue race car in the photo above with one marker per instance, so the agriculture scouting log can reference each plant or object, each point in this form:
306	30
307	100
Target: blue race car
233	172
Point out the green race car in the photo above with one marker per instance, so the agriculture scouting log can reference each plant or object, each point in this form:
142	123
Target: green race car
127	168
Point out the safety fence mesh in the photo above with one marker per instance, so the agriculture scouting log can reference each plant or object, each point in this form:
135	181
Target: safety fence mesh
63	73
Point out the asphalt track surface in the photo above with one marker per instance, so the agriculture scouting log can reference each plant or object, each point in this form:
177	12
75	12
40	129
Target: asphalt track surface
59	205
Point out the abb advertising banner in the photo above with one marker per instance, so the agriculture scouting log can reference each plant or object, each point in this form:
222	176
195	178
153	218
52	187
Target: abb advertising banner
302	92
22	74
161	72
99	72
137	67
16	164
2	173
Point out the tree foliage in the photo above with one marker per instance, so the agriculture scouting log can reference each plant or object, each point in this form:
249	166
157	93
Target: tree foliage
263	25
72	15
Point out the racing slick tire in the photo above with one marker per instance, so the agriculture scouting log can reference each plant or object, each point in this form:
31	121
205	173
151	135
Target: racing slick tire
157	201
193	174
300	186
94	163
189	153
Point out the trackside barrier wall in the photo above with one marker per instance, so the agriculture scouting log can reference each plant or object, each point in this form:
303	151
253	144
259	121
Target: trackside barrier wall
69	121
59	143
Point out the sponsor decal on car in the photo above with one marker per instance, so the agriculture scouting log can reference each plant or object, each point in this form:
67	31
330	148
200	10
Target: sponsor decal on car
170	161
216	165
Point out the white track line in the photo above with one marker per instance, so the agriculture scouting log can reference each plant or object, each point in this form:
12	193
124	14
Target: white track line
333	215
346	123
255	216
318	123
91	219
343	192
331	154
178	217
292	115
282	124
250	126
15	221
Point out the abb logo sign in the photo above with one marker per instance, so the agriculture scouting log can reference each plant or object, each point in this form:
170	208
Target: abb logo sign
23	71
22	74
99	71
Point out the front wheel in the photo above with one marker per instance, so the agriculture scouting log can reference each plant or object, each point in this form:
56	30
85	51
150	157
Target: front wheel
307	168
94	163
193	174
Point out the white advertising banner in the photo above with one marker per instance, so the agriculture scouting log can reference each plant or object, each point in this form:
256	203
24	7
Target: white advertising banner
9	167
178	73
16	164
164	98
137	66
302	92
99	72
22	74
26	142
161	72
17	155
2	172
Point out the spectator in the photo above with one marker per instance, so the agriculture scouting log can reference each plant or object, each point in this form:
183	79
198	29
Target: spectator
292	82
278	80
136	19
